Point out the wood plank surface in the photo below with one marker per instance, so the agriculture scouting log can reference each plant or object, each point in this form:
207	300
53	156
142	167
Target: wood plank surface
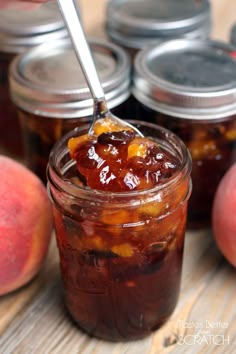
33	319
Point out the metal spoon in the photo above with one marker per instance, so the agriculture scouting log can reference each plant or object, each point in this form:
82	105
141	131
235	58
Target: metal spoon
70	13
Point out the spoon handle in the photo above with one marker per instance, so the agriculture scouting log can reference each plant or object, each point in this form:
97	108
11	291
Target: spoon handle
70	13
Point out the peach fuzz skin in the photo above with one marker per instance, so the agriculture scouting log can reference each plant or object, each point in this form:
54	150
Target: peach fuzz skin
25	225
224	215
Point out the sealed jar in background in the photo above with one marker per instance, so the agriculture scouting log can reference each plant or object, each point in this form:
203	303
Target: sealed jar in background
52	97
190	88
121	253
135	24
19	31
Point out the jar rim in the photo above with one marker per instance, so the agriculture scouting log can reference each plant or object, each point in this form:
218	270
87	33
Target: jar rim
138	43
55	177
192	79
40	82
127	19
17	33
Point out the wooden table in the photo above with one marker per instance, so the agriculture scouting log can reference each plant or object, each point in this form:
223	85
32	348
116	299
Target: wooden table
33	320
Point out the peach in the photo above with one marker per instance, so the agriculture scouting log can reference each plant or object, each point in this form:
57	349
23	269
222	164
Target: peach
105	125
224	215
25	225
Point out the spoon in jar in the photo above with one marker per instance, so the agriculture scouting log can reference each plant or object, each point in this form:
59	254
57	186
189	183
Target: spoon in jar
70	13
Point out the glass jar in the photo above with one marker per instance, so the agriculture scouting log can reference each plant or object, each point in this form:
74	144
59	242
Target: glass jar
135	24
189	87
120	253
17	34
52	97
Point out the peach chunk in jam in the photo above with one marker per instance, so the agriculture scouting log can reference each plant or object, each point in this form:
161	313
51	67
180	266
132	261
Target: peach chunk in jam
117	160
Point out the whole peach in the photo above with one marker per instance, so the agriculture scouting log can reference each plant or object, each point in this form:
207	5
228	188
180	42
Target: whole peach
25	224
224	215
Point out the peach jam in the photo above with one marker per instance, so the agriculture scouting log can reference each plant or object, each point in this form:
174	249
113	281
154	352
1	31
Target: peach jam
134	24
52	97
119	204
189	87
119	160
18	33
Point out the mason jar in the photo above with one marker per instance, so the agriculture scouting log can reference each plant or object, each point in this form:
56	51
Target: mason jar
19	32
189	86
120	252
135	24
52	97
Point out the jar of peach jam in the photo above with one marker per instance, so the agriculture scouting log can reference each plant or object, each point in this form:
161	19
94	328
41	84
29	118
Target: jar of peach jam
52	97
135	24
190	88
17	34
121	252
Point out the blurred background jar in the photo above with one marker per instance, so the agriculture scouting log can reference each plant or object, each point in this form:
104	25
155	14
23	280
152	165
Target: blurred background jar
136	23
19	32
189	86
52	97
233	35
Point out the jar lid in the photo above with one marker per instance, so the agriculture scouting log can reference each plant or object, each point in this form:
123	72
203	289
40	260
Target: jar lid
233	35
192	79
135	23
32	27
48	81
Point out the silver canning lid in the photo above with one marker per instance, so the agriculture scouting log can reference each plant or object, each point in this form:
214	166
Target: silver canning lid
233	35
136	23
47	80
32	27
191	79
